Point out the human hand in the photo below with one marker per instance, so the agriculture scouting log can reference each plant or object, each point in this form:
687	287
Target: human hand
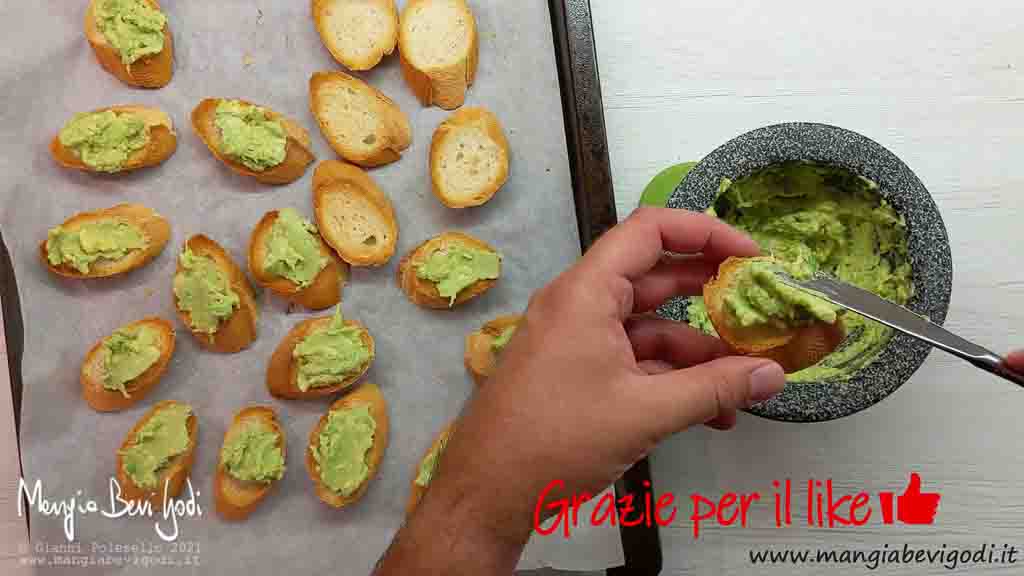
586	387
1015	361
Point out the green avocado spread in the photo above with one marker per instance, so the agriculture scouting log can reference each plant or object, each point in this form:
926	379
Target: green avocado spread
340	452
127	353
203	291
161	438
293	251
329	354
133	27
83	245
503	339
254	454
104	140
457	267
249	136
429	464
817	219
758	297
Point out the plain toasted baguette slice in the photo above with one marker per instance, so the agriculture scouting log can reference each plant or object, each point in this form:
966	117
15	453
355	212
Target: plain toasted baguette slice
359	122
366	394
173	474
469	158
358	33
424	292
93	373
323	292
153	71
480	358
794	348
353	214
235	499
239	330
154	226
439	49
298	151
417	491
163	141
283	370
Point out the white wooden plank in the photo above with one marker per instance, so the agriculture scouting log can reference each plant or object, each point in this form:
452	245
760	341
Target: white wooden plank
942	86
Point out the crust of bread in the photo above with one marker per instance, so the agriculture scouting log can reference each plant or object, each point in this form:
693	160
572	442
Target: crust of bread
173	474
153	71
394	134
163	141
468	118
444	87
366	394
417	491
333	180
156	228
325	290
795	348
424	292
283	371
298	150
235	499
480	358
239	330
387	39
810	346
91	375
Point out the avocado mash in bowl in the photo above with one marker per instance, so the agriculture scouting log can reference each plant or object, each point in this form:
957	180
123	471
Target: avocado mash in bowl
823	199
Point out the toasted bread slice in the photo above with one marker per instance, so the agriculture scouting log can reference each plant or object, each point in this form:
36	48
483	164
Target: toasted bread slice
93	373
298	153
323	292
358	33
173	474
283	370
154	226
793	347
239	330
424	292
163	141
469	158
353	214
359	122
439	48
365	394
480	358
235	499
154	71
417	492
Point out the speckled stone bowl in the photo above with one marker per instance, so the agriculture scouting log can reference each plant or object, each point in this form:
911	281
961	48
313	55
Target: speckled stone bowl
928	244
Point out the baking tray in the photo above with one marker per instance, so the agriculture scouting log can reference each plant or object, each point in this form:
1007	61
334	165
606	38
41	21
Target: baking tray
579	79
590	167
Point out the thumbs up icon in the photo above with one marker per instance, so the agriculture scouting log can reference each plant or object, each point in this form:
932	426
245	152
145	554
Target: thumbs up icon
913	506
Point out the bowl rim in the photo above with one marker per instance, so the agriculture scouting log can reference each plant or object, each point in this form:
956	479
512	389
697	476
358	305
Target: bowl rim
930	255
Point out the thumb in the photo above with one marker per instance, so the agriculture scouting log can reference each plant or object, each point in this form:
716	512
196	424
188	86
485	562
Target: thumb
683	398
914	488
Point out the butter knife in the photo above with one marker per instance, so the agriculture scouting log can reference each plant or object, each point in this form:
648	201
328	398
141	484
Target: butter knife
899	318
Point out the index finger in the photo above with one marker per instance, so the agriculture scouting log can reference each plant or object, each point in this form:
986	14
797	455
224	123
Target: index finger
636	245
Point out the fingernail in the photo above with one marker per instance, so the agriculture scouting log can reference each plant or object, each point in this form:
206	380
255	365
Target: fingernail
766	382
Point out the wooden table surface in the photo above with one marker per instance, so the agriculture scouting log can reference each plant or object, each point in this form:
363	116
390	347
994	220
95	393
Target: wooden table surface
941	85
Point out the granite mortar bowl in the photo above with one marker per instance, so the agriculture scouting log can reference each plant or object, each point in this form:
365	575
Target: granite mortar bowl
928	244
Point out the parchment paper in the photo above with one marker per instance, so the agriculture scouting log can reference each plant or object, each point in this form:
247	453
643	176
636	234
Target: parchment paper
265	52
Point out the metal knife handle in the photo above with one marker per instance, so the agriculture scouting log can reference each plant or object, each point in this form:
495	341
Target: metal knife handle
899	318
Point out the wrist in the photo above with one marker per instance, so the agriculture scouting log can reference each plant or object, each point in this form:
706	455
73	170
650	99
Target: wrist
453	532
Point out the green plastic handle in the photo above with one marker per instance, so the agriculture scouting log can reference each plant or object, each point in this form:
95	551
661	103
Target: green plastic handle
661	187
